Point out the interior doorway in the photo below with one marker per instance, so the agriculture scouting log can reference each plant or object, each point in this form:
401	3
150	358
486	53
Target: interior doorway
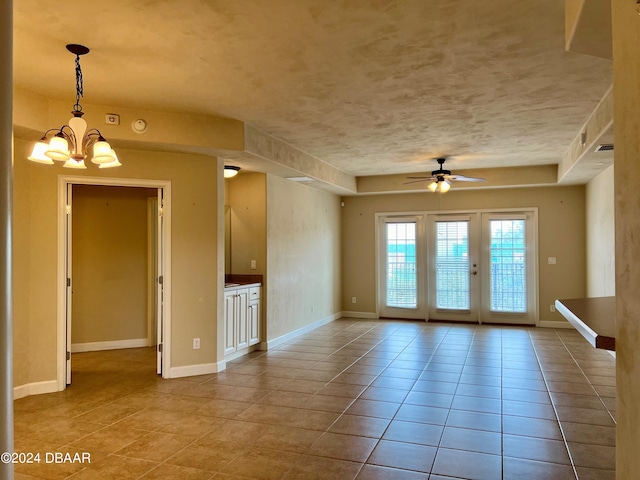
113	268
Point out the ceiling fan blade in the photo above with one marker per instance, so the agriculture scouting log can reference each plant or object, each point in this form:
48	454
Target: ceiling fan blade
462	178
430	177
423	179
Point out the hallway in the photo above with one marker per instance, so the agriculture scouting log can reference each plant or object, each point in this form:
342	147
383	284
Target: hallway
352	399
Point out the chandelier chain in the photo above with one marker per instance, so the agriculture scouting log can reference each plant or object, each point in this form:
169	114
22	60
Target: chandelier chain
79	87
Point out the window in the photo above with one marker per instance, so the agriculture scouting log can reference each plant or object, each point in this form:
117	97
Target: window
401	265
508	267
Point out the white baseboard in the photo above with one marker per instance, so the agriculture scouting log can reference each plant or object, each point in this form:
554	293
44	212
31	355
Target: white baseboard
372	315
269	344
112	345
193	370
554	324
36	388
243	352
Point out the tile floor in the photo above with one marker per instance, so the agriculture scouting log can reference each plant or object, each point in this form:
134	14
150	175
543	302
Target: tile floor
353	399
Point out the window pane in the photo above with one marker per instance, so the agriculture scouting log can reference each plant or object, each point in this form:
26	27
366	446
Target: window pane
508	267
452	265
401	265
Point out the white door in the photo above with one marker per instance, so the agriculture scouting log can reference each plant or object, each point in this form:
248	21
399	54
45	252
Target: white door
401	282
453	268
160	284
508	268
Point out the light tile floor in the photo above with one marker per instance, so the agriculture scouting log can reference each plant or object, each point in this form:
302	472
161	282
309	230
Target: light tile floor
353	399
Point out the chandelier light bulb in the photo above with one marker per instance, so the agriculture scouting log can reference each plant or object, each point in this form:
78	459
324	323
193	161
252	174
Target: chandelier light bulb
58	149
102	152
38	153
114	163
73	163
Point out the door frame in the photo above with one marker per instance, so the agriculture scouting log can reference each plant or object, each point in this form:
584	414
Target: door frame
64	183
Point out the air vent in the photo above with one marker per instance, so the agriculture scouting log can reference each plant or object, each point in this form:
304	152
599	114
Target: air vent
604	147
300	179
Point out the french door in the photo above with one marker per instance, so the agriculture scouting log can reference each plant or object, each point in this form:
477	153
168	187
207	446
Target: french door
508	274
453	267
401	256
472	267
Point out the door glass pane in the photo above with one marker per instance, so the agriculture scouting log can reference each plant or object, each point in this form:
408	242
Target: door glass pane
508	267
452	265
401	265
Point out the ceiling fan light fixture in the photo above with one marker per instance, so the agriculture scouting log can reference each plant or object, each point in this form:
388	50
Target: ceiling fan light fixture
433	186
444	186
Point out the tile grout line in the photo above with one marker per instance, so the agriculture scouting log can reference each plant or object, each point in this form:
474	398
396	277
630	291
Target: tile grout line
553	404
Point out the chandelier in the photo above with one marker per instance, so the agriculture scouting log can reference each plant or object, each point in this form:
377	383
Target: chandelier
70	143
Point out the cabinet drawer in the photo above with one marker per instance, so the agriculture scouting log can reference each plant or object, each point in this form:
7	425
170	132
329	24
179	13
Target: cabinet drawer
254	293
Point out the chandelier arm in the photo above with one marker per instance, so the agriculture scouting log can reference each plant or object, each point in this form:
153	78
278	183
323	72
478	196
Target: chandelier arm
69	135
45	134
91	137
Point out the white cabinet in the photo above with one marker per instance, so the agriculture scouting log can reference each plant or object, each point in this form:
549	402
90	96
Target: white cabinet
241	318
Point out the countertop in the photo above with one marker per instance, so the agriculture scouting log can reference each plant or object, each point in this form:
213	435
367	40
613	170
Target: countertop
234	281
594	318
236	285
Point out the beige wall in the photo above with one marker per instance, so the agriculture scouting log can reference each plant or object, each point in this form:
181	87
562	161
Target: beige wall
110	261
561	234
601	257
195	236
303	256
247	199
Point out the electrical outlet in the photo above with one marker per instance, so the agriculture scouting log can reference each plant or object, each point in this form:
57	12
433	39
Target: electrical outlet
196	343
353	299
552	308
551	260
253	265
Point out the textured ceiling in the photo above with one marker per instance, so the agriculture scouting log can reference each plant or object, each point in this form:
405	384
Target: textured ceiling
371	87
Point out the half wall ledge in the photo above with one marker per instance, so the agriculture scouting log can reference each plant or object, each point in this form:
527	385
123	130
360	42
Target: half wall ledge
594	318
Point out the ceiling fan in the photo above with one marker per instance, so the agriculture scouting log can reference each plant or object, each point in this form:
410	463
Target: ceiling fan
441	178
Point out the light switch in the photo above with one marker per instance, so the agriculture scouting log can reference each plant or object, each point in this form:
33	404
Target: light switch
253	264
551	260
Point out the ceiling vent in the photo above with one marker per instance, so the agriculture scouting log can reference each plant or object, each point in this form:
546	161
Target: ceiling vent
300	179
604	147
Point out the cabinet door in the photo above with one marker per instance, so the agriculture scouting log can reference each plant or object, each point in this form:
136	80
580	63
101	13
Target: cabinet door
242	325
254	322
229	322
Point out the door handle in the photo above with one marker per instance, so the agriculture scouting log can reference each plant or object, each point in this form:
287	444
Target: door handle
474	273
